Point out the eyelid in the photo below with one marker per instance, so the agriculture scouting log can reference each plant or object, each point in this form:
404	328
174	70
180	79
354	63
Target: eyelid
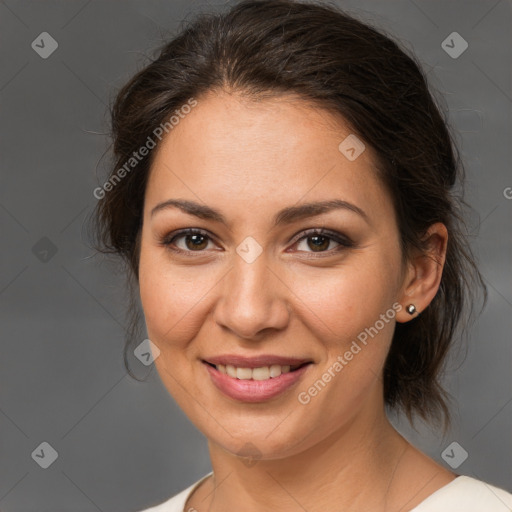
342	240
337	237
168	239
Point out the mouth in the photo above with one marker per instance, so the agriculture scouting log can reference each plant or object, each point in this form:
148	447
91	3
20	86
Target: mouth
253	381
263	372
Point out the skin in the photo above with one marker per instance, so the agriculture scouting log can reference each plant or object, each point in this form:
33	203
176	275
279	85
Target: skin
249	160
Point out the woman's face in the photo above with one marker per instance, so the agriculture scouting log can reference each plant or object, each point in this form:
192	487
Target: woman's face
259	283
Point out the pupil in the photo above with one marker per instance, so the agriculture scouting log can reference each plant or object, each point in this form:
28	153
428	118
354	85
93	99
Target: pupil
195	240
320	246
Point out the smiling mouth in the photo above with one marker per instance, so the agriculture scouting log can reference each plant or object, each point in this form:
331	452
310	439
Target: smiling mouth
260	373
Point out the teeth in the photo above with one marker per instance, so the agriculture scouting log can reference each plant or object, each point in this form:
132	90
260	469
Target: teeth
243	373
262	373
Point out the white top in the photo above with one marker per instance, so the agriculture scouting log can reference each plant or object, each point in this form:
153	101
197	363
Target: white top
464	494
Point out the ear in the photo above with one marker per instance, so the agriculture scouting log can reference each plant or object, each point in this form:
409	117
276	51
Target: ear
424	273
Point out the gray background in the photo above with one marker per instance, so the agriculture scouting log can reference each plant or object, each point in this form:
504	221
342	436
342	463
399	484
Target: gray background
124	445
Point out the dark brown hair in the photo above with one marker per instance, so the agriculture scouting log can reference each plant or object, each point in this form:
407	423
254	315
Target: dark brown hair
265	48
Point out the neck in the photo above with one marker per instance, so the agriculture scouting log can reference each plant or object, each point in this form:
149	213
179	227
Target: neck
352	467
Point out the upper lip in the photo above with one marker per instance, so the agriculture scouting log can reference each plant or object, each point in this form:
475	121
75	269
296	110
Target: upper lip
255	361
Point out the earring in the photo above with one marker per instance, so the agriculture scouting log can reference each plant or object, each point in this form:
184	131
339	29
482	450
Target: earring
411	309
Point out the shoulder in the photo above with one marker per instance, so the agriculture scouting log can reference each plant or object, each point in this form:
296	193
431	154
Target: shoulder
467	494
177	502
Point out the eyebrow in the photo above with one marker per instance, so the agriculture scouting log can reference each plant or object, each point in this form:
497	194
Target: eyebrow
285	216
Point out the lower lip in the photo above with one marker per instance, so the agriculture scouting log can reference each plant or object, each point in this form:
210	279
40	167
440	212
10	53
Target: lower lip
254	390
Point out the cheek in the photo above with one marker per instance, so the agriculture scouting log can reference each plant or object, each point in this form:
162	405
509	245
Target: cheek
174	314
174	299
159	295
351	313
343	302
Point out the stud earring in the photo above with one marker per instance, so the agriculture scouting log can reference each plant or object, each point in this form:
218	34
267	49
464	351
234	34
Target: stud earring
411	309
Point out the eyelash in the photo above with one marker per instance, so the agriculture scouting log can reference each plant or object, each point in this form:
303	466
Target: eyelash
344	241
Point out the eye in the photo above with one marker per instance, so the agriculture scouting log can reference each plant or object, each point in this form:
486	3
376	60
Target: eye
194	240
319	241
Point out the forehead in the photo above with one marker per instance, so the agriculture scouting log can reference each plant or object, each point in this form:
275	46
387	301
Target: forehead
232	152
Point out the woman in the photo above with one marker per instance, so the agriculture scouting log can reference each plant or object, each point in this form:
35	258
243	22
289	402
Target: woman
283	193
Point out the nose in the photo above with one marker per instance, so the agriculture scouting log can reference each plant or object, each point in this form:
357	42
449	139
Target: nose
253	299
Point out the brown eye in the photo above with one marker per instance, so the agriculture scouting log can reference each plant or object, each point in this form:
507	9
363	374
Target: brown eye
194	240
318	241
